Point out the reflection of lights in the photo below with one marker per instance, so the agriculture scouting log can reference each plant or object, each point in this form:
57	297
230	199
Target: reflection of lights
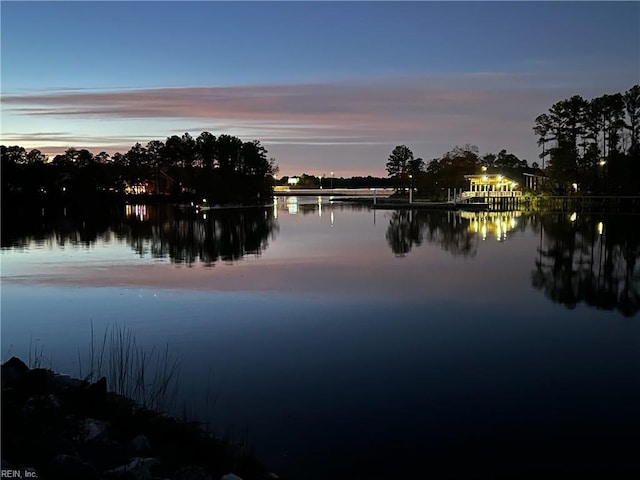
495	223
320	207
275	207
573	217
332	219
600	228
292	205
575	187
204	216
137	211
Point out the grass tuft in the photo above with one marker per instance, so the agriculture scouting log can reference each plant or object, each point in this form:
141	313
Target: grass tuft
150	378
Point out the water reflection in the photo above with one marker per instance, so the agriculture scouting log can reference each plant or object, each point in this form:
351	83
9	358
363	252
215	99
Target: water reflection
580	258
589	259
575	258
457	232
150	230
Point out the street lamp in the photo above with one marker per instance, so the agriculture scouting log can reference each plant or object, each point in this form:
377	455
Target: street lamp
410	188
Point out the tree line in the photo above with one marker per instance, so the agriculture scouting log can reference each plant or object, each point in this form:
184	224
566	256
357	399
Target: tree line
222	169
592	143
433	179
588	146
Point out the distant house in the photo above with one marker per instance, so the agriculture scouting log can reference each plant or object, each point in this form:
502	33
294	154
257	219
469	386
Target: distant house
534	181
488	188
136	188
491	185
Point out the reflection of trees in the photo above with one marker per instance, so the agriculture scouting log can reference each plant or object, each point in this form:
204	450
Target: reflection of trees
408	228
75	226
591	260
157	231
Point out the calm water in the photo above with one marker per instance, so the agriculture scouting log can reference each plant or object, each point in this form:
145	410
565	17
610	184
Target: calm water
348	343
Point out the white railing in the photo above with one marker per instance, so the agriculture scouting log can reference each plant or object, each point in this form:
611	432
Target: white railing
491	194
486	194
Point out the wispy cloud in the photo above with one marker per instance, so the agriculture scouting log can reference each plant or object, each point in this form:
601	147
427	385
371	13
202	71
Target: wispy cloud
294	111
493	109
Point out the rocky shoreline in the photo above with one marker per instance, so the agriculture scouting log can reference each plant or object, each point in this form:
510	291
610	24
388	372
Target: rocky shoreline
55	427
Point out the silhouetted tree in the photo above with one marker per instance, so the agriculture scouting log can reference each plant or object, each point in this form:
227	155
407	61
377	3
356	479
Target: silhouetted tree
398	164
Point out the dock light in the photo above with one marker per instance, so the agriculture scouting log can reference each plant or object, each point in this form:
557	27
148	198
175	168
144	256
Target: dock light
602	163
484	168
204	200
573	217
600	228
575	186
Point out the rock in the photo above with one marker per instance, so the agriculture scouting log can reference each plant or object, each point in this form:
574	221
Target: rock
14	371
140	445
191	473
93	429
41	408
230	476
96	394
138	469
65	382
70	467
98	389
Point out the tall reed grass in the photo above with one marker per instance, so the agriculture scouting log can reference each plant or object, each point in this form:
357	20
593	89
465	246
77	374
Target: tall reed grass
148	377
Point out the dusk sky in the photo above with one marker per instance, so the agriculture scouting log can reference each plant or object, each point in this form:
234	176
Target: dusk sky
325	86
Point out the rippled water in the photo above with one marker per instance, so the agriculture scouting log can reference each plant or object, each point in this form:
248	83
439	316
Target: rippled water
351	343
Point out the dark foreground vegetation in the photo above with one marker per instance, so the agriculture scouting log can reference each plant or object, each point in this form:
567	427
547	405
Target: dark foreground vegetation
64	428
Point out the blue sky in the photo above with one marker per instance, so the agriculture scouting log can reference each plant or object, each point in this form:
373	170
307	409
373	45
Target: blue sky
326	86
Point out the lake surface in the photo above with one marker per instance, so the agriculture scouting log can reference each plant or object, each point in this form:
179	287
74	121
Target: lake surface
350	343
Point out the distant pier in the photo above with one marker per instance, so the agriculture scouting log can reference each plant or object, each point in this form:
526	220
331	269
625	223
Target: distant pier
373	192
